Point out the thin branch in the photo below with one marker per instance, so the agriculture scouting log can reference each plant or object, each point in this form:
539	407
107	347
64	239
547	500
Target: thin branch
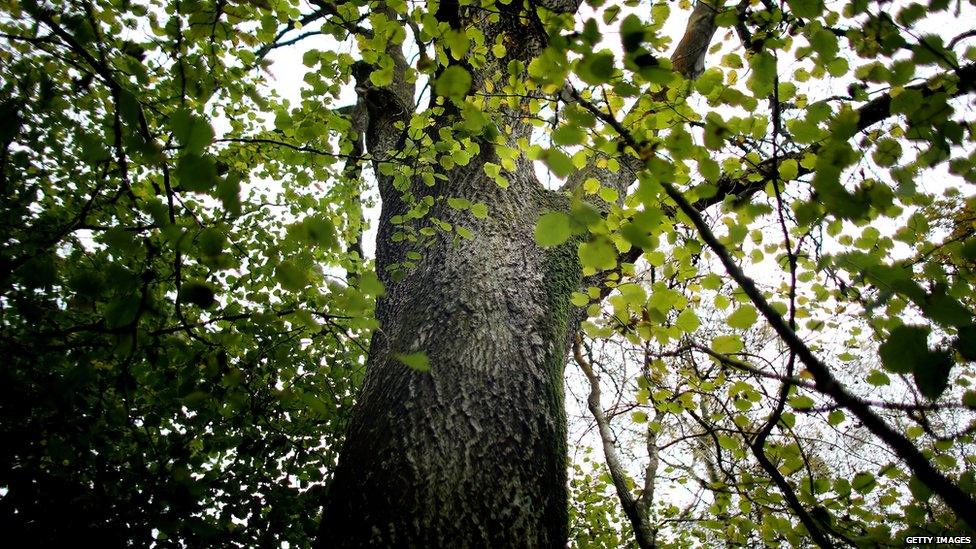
869	114
299	148
960	37
352	27
799	382
959	501
639	520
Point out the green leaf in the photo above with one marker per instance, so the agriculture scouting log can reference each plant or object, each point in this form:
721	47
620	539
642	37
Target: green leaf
763	66
458	203
580	299
122	312
905	347
370	284
479	210
919	490
291	276
825	44
92	148
838	67
608	195
969	399
552	229
558	162
728	344
835	417
831	161
610	14
476	121
454	83
801	402
229	193
631	33
887	152
196	173
878	378
727	442
120	240
596	68
191	131
568	134
211	241
632	294
417	361
789	169
598	254
322	231
457	43
583	215
637	236
965	342
549	68
709	169
591	185
946	310
382	77
198	293
711	281
864	483
687	321
968	250
311	58
708	81
932	376
806	8
743	317
716	132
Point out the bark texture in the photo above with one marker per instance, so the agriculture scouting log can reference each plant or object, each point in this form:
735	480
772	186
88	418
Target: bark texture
473	452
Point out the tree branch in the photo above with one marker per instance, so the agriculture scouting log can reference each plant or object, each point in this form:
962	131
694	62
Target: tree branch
869	114
688	58
958	500
635	513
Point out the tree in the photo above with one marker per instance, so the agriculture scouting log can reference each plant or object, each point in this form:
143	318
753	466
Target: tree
471	449
186	301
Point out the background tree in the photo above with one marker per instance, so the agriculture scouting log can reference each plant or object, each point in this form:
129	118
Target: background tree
186	302
177	361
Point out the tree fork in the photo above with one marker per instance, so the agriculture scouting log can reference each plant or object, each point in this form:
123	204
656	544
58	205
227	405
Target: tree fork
472	452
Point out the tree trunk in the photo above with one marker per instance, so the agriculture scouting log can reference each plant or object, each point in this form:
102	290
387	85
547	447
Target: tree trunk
472	452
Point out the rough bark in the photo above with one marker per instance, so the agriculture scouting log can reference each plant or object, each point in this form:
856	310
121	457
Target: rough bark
471	453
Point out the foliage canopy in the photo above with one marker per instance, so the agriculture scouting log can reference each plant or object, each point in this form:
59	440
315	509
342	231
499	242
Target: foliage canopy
779	253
